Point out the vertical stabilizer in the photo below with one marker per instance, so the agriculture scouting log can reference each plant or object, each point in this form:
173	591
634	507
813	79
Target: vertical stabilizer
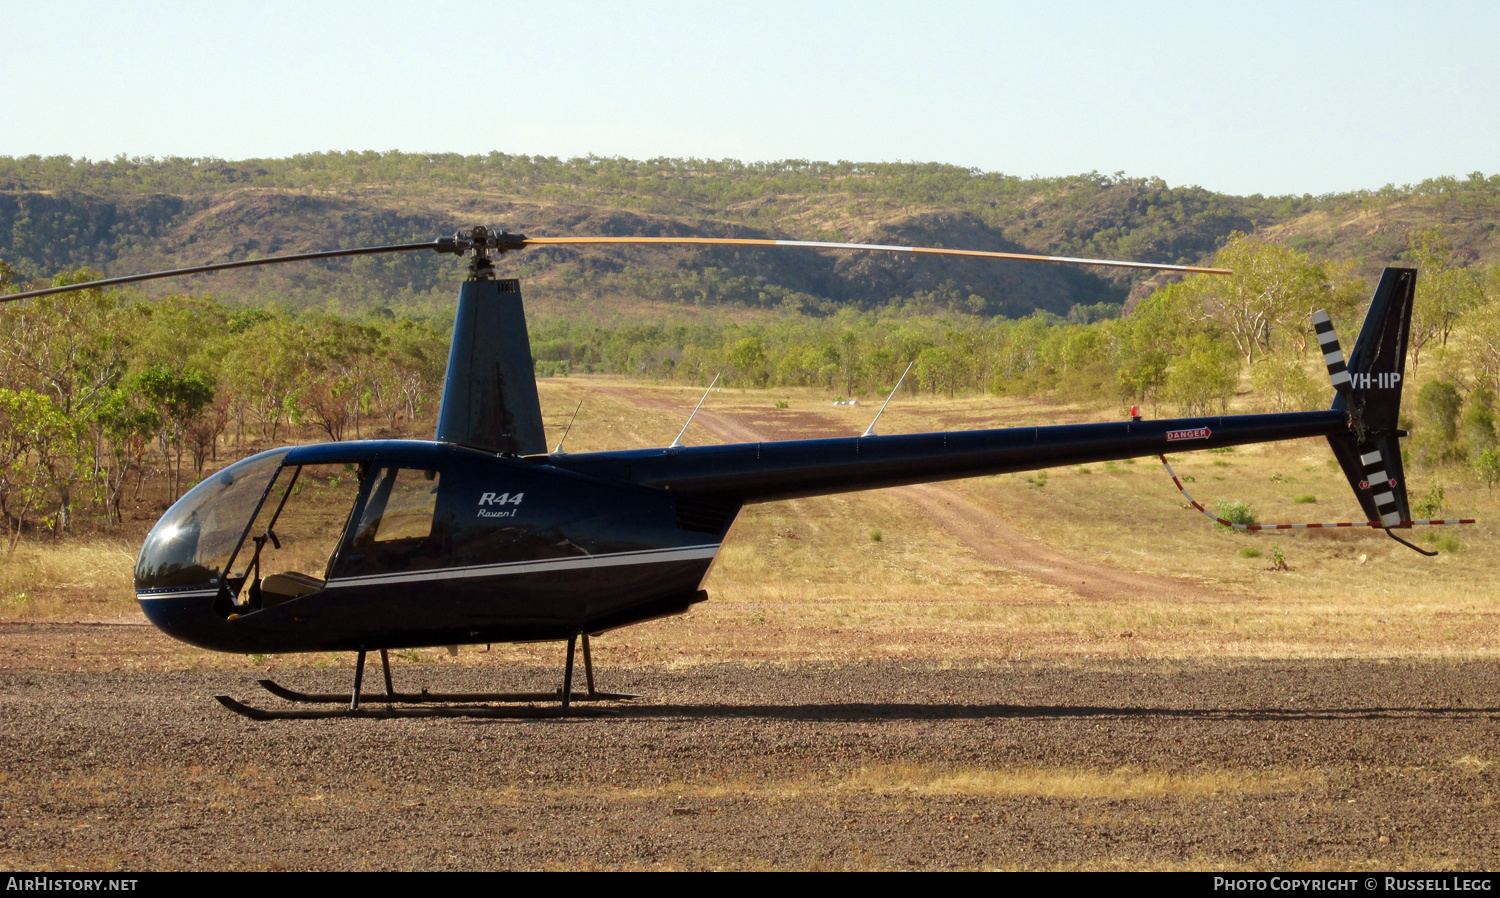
489	394
1371	454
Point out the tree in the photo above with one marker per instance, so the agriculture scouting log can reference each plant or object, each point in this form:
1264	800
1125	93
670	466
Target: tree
1438	406
1202	376
1270	285
40	460
72	346
1283	381
934	370
1487	467
746	359
1155	331
1479	418
74	349
128	426
417	356
178	398
340	372
264	367
1445	293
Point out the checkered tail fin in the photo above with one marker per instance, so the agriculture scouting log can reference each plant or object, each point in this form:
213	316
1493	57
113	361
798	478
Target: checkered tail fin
1368	390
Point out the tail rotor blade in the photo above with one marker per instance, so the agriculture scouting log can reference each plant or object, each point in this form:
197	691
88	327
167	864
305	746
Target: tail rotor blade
1333	354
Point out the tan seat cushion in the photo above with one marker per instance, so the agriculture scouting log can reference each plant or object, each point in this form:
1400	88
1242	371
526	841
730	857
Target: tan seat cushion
289	585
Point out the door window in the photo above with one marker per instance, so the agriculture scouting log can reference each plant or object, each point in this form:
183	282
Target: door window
295	538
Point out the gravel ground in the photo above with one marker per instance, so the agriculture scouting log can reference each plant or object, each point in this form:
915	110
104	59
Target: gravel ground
877	765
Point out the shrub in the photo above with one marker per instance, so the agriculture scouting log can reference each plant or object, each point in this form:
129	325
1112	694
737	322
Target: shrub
1447	542
1234	512
1438	407
1487	466
1430	506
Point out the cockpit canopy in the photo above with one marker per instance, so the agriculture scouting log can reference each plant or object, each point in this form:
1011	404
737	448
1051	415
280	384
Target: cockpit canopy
194	541
276	521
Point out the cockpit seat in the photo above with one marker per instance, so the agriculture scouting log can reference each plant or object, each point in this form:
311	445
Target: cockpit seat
285	586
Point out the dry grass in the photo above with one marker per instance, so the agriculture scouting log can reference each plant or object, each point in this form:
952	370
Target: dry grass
1064	783
76	579
1075	784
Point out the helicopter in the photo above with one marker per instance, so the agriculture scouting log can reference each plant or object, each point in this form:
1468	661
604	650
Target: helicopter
481	535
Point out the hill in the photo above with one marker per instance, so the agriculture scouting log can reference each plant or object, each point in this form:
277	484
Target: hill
129	215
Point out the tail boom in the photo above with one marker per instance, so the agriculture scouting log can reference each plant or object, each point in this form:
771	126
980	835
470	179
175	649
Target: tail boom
762	472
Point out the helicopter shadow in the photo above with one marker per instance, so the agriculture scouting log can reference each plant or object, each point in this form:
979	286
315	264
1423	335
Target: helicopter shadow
865	712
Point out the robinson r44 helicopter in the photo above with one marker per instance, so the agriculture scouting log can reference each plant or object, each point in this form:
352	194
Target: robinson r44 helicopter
481	535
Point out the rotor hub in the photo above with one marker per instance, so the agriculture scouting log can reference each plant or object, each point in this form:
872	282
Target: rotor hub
479	243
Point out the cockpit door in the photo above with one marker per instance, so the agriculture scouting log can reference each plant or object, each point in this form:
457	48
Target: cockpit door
294	541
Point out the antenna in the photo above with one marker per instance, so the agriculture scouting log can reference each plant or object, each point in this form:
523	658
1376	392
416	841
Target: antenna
568	429
870	431
677	443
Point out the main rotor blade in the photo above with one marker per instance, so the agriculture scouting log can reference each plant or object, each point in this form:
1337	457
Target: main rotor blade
880	247
501	242
222	266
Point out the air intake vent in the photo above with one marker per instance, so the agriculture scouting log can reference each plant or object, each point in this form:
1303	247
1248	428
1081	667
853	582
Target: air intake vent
509	285
706	514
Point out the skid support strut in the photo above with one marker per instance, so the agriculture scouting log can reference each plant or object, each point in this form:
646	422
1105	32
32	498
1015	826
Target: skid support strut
588	666
359	677
567	690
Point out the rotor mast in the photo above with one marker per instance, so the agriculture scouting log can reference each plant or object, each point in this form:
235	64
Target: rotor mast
489	392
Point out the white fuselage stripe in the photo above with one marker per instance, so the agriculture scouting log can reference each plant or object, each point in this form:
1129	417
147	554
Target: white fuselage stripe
581	562
180	594
650	556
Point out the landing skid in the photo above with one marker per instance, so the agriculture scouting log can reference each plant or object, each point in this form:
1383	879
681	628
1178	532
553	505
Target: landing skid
453	704
425	697
388	712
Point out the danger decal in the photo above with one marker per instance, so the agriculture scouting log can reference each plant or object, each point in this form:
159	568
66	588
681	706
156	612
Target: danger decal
1197	433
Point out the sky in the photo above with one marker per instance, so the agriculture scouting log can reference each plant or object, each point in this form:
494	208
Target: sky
1266	97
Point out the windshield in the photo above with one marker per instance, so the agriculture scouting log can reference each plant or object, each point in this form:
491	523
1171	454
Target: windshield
193	542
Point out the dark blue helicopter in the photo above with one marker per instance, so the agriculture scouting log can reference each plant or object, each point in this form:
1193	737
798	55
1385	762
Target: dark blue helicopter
482	536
